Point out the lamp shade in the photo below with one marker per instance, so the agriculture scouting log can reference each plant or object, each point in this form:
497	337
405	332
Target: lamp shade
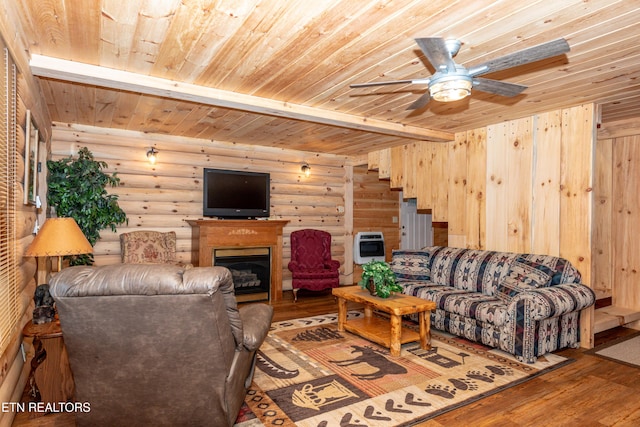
59	237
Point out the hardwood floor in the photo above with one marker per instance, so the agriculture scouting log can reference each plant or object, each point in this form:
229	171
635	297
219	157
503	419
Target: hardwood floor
589	392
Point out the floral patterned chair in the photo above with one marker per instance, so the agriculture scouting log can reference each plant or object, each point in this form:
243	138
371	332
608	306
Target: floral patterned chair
149	247
311	265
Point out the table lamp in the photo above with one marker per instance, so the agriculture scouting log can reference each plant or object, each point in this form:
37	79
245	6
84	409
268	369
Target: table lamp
59	237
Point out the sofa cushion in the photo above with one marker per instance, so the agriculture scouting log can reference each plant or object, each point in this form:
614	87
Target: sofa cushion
319	274
470	269
411	265
474	305
524	275
444	261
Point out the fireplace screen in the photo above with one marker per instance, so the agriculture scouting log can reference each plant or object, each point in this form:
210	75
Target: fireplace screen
250	269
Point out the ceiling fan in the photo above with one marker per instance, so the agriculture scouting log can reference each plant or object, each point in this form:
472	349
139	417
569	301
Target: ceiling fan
452	82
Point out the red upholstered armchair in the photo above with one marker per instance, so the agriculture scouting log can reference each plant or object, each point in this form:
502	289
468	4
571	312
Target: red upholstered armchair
311	262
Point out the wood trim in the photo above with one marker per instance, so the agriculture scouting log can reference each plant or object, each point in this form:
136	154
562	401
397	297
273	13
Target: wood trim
70	71
619	128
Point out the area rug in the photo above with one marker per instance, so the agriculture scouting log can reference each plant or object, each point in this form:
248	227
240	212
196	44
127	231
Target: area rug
310	374
622	350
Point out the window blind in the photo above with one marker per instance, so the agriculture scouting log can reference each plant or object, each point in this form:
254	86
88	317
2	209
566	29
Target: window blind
9	292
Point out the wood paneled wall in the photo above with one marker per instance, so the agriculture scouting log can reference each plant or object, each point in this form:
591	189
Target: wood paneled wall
626	218
518	186
616	249
162	196
604	230
375	208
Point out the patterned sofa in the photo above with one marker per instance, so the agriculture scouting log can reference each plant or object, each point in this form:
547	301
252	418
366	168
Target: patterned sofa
524	304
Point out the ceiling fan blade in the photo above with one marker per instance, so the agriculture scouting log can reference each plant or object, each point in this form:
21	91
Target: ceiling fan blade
395	82
420	102
497	87
436	51
525	56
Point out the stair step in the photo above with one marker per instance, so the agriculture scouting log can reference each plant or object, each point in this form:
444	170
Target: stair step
611	317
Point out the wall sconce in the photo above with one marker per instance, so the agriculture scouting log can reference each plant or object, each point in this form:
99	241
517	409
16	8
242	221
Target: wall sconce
306	169
152	155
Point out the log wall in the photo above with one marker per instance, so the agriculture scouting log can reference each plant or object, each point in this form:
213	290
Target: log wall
162	196
13	370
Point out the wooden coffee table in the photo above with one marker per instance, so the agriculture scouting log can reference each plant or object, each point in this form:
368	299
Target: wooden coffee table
390	333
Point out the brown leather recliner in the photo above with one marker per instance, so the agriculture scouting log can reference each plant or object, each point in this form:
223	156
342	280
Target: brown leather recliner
157	344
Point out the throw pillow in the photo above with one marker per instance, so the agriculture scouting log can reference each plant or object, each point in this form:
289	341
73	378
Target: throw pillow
411	265
563	270
523	275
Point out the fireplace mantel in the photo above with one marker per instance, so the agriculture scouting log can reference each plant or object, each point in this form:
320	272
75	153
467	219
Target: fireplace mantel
207	234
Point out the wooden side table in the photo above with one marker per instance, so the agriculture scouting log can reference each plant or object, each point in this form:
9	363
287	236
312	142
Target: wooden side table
389	334
50	379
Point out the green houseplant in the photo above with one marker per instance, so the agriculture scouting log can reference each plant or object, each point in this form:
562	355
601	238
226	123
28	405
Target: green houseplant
77	189
378	278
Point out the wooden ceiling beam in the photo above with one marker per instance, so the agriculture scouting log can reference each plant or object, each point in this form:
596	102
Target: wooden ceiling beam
71	71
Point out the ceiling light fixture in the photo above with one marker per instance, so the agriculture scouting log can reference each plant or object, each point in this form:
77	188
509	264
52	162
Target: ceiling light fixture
450	88
306	169
152	155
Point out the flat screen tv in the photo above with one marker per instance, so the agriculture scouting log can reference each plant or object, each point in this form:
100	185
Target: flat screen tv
235	194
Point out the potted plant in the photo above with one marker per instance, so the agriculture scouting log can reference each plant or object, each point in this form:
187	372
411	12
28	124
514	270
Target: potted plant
76	189
378	278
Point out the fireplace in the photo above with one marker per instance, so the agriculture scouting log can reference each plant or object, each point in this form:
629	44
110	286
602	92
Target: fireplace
210	234
250	268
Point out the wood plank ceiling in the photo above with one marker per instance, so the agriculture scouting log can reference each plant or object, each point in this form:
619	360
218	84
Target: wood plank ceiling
277	72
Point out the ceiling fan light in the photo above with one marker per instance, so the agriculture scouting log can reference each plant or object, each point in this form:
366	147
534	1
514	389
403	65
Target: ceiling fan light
450	90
